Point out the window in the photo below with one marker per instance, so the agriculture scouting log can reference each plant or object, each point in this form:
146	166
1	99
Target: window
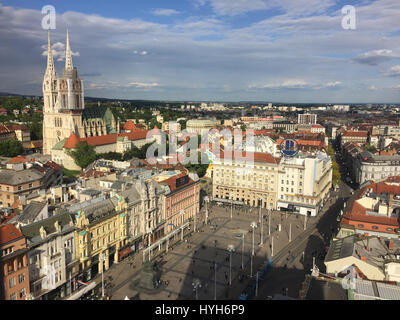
389	229
11	283
375	227
361	226
22	293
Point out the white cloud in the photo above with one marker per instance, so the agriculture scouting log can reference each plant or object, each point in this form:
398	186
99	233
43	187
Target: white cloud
143	84
394	71
164	12
333	84
375	57
286	84
372	88
58	50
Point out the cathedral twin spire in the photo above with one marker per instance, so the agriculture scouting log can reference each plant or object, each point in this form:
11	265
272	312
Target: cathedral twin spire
50	61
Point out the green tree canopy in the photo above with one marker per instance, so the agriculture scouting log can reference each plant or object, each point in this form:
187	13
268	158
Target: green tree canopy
10	148
83	154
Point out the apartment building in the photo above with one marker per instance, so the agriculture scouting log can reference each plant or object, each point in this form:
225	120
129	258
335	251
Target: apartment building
182	197
31	178
375	167
306	118
373	210
101	230
14	273
246	181
53	266
304	182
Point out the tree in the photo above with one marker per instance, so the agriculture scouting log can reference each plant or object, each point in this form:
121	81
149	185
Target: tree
110	156
198	168
183	124
83	154
136	152
336	177
11	148
370	148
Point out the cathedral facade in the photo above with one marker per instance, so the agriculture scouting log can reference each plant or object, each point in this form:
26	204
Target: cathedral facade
64	111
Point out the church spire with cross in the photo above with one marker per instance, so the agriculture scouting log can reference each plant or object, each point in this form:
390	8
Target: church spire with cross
68	55
50	71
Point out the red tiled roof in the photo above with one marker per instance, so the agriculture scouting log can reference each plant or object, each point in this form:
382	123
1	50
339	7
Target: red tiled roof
4	129
53	165
129	125
18	159
9	233
316	143
172	181
355	134
137	134
258	157
71	141
357	212
17	127
101	140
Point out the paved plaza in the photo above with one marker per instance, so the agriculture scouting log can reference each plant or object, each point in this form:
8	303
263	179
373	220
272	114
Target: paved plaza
197	256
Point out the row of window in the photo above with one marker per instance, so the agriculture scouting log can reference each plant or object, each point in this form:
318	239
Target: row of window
22	294
19	189
11	281
374	227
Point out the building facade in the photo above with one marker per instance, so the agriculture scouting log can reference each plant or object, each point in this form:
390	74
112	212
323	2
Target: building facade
14	271
246	182
52	263
304	183
64	107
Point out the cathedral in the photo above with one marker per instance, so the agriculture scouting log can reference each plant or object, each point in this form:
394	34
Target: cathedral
64	112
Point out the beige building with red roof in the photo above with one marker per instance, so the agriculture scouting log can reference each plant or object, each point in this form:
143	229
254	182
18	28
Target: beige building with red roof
374	210
14	271
246	179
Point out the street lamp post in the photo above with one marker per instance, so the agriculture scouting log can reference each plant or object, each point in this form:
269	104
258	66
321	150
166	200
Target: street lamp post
102	258
215	281
252	225
269	222
231	248
242	250
272	246
231	204
206	200
196	284
257	285
182	212
290	232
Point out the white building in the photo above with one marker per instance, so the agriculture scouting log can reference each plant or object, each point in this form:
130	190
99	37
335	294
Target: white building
307	118
304	183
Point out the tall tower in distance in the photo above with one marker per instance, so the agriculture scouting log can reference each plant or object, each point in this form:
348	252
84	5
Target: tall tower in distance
63	100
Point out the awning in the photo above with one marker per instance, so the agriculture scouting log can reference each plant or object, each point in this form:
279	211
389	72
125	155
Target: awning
125	252
83	291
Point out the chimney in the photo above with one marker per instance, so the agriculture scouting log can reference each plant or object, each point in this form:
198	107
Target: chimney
391	245
364	259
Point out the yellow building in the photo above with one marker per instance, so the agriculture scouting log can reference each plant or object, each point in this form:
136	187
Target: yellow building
101	229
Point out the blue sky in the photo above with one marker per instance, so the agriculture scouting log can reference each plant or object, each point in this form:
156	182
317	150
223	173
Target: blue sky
228	50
